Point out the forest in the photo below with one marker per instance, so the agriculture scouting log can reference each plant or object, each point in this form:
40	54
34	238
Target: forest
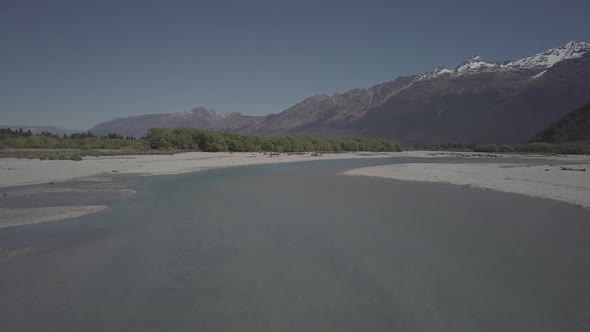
189	139
19	139
213	141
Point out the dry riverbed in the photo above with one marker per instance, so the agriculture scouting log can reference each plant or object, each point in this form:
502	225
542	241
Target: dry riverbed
567	182
37	191
40	203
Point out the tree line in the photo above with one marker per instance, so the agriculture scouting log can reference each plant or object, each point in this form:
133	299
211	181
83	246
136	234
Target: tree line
536	147
20	139
189	139
214	141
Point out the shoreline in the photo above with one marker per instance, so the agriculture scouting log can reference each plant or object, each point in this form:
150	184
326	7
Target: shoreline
561	182
43	203
37	191
19	172
31	216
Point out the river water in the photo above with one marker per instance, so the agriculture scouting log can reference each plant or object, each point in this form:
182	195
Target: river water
296	247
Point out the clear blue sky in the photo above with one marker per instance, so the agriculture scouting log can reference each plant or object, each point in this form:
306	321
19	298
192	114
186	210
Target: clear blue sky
75	63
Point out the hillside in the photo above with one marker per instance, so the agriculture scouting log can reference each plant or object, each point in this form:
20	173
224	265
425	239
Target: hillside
477	102
40	129
199	117
572	128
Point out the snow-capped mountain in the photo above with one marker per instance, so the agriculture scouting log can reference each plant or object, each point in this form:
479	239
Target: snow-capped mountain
477	102
547	59
475	64
538	62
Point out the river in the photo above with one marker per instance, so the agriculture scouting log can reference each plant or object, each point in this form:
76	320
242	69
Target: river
296	247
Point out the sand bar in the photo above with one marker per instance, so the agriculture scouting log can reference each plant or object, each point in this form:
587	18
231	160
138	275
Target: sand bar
561	182
15	172
30	216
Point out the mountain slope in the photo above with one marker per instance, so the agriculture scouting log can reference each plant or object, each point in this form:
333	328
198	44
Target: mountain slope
572	128
40	129
492	106
477	102
328	115
199	117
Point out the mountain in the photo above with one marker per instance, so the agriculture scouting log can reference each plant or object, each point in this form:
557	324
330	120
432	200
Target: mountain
39	129
572	128
477	102
199	117
330	116
486	104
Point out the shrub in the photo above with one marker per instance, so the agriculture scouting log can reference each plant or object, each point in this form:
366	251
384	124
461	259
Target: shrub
487	148
506	148
536	148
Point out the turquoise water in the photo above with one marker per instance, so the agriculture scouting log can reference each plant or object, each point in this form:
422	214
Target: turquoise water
296	247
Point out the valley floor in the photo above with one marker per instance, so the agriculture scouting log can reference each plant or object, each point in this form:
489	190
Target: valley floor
562	181
37	191
16	172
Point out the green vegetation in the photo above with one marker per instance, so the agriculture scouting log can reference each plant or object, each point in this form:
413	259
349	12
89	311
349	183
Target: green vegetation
444	147
572	128
487	148
19	139
536	147
213	141
46	146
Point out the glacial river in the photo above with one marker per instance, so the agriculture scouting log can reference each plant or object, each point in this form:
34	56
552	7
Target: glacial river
296	247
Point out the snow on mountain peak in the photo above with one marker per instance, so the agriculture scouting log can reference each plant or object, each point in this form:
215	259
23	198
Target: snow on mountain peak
441	71
538	63
544	60
474	64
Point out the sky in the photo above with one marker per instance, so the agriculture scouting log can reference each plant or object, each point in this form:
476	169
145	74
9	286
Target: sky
76	63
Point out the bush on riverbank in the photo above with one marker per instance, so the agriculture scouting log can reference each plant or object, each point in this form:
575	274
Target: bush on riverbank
537	147
213	141
19	139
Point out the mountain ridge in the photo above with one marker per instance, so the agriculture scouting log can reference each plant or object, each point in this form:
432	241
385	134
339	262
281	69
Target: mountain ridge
443	105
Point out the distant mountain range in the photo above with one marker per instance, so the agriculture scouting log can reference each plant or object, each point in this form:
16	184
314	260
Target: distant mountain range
199	117
477	102
40	129
572	128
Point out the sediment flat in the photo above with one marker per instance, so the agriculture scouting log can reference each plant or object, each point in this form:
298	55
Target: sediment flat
562	182
17	172
30	216
42	191
42	203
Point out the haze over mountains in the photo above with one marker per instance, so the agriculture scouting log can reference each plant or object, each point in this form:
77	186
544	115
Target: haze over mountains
477	102
40	129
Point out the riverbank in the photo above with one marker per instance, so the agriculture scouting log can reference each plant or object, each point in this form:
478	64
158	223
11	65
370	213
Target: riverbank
41	203
38	191
562	182
17	172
